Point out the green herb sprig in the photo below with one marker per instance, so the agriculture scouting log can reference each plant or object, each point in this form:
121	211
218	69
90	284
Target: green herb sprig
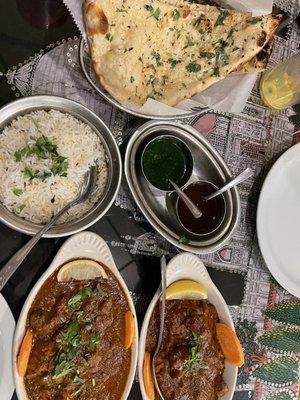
17	191
76	340
216	71
153	13
220	20
195	356
157	58
176	15
193	67
85	292
109	37
220	50
42	148
254	20
207	54
189	42
173	62
183	240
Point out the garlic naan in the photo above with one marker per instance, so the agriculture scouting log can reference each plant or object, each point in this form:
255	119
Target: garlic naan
169	50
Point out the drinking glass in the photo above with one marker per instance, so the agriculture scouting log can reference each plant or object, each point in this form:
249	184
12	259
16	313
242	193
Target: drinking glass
280	86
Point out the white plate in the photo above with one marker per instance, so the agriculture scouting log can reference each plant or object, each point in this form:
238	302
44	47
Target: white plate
278	220
84	244
7	327
189	266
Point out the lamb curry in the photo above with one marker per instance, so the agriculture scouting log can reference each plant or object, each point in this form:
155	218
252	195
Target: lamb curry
78	335
190	363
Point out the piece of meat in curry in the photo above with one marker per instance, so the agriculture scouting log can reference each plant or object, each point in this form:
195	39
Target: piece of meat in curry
78	341
190	363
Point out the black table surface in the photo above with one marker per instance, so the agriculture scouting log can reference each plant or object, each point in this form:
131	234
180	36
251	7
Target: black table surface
26	26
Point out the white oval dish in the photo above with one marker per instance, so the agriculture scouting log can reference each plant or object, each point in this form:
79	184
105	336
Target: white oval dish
189	266
84	244
7	327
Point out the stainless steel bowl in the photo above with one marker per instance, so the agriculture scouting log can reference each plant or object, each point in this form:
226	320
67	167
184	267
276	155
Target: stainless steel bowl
86	66
32	103
221	220
188	157
160	209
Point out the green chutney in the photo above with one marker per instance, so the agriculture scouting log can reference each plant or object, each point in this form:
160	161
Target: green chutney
165	159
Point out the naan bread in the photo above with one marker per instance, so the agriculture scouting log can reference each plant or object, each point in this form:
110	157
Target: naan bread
169	50
259	62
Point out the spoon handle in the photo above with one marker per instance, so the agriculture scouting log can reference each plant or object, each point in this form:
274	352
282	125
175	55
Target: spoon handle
14	262
162	309
235	181
187	201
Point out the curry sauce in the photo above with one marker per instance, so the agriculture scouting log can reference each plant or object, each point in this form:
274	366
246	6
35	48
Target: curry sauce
78	340
190	363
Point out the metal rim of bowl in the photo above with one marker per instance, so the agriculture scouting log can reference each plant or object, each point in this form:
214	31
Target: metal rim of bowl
115	103
46	102
221	220
175	139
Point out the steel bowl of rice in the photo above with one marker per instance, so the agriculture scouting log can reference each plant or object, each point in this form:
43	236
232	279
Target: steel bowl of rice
47	144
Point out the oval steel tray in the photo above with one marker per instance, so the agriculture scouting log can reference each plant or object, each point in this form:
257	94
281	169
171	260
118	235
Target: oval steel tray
159	207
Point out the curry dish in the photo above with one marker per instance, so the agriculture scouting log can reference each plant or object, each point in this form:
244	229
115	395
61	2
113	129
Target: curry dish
190	363
78	332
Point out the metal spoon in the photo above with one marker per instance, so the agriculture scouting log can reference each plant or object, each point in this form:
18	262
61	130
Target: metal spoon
235	181
187	201
13	264
162	320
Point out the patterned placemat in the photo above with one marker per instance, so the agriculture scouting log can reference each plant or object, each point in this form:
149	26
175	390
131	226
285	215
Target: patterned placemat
268	321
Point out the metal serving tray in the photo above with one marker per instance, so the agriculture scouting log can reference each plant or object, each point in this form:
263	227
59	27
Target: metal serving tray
159	207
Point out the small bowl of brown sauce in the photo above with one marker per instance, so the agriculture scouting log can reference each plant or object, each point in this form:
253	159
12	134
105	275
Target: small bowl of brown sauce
213	211
166	157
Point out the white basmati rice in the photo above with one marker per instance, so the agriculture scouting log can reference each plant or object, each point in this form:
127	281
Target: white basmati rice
39	200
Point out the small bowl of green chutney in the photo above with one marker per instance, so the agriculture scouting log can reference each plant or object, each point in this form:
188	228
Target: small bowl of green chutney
166	157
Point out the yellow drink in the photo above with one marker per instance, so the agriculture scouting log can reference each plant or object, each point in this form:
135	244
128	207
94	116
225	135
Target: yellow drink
277	92
280	87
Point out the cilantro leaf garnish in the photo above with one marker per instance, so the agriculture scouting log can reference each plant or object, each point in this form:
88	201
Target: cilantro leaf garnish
254	20
153	13
173	62
17	191
195	354
59	166
184	240
216	71
207	54
157	58
193	67
109	37
84	292
42	148
220	20
190	41
176	15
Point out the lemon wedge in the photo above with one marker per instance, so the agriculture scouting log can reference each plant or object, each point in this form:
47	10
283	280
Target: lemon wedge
186	289
81	269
